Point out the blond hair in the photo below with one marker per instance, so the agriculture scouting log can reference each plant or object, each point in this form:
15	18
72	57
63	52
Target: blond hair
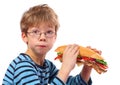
37	15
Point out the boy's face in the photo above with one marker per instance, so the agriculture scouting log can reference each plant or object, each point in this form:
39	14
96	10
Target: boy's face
40	40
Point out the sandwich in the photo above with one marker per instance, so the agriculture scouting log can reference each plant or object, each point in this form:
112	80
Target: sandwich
86	56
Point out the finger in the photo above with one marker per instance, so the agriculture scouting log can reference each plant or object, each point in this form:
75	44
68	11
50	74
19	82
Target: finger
94	49
67	48
71	47
88	47
77	53
99	52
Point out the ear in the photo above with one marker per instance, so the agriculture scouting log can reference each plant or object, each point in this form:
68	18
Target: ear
24	37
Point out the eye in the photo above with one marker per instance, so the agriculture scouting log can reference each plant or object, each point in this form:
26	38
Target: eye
50	32
36	32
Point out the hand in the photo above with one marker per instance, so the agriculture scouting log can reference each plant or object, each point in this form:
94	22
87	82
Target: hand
94	49
69	56
68	61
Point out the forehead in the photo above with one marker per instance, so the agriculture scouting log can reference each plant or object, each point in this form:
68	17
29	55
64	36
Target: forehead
43	26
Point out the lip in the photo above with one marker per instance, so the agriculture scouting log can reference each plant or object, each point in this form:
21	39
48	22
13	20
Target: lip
42	46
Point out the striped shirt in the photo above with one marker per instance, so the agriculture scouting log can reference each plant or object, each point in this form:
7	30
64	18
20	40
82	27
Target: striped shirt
23	71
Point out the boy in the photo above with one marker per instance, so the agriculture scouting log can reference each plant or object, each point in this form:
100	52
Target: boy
39	26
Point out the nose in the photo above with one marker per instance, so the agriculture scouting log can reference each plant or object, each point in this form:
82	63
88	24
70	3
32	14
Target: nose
42	37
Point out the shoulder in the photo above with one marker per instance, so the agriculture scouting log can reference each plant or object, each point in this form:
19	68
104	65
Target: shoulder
21	64
24	60
21	60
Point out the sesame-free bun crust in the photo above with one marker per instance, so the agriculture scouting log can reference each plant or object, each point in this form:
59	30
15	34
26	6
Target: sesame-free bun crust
84	51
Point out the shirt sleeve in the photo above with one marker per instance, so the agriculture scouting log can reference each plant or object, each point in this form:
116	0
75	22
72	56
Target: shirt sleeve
77	80
57	81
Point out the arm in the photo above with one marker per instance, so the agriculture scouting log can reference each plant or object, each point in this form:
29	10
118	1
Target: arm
81	79
70	80
85	73
68	61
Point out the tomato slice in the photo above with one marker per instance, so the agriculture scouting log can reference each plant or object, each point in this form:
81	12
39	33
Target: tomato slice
78	59
85	58
59	56
102	66
88	58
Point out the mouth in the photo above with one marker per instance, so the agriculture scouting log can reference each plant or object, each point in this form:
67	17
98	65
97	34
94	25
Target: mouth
42	46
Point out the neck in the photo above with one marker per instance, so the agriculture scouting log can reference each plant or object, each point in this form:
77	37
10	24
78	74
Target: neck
38	59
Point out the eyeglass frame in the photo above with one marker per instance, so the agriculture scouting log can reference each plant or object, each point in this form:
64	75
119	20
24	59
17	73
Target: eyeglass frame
37	33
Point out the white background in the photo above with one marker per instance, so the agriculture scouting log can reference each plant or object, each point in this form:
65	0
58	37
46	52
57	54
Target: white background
92	23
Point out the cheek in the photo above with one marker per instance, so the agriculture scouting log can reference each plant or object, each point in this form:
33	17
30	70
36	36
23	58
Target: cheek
51	43
31	43
54	39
